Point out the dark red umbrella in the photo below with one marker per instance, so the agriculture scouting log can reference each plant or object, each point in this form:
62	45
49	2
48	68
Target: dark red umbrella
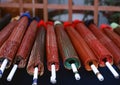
52	51
10	47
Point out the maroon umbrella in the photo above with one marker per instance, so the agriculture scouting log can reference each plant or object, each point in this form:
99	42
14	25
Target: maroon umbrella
52	51
10	47
5	33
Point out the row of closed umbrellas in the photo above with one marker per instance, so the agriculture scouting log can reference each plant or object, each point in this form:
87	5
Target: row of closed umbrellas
77	43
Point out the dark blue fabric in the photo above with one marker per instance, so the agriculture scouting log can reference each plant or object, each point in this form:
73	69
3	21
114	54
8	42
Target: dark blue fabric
26	14
36	18
64	77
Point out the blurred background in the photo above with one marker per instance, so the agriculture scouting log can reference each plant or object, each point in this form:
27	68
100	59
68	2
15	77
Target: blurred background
54	14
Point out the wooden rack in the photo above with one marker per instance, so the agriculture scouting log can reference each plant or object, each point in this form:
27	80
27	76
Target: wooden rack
45	6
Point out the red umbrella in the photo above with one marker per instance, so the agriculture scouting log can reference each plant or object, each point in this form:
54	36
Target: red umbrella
108	44
85	53
106	29
102	54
